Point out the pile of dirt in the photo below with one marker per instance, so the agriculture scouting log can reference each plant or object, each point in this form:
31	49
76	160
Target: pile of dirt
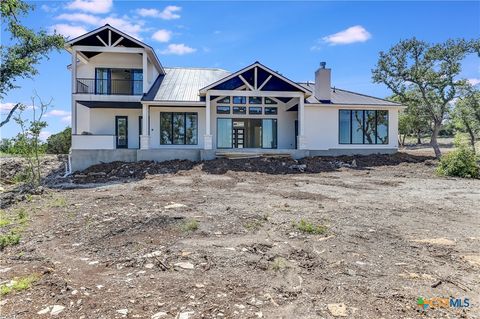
106	172
137	170
12	166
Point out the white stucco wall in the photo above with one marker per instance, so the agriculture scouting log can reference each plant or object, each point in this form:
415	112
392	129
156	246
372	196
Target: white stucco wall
109	60
102	122
155	126
321	128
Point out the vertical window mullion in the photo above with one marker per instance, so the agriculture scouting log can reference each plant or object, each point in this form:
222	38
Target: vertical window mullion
171	127
351	127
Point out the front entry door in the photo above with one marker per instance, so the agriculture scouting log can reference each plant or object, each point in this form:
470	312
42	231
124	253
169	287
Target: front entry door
238	137
121	131
140	120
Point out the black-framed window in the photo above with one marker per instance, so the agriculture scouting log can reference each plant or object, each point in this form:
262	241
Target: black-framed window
239	100
223	109
255	110
270	101
271	110
178	128
255	100
239	110
225	100
363	127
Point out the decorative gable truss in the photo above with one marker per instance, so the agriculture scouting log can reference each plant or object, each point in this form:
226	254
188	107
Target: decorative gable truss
254	79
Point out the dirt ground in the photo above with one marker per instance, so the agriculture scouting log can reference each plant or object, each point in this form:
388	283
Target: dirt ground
129	247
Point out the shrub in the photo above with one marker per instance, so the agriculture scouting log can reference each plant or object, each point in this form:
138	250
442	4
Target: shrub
9	239
190	225
310	228
460	162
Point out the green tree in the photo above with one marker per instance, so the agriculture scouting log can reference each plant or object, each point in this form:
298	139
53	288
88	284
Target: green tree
466	115
60	143
28	141
413	120
431	70
25	50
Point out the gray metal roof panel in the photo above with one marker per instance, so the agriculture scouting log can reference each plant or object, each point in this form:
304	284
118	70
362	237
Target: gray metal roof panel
183	84
344	97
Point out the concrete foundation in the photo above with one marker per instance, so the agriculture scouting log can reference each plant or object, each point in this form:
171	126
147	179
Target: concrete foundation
352	151
166	154
82	159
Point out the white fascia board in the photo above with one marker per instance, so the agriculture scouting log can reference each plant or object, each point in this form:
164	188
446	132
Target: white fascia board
356	106
255	93
175	103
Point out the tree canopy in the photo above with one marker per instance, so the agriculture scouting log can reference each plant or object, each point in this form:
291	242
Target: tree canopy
431	71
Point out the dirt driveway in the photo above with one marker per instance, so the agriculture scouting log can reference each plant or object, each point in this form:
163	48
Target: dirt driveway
361	242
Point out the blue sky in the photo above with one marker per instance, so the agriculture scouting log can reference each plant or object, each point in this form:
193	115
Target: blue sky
290	37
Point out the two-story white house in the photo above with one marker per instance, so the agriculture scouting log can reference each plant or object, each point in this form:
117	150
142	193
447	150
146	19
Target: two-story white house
126	106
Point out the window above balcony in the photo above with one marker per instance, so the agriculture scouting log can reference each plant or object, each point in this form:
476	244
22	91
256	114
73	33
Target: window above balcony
112	81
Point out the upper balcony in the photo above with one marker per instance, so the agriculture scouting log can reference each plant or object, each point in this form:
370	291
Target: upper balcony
112	82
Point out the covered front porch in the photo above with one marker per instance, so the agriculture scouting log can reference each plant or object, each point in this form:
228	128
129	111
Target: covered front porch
254	108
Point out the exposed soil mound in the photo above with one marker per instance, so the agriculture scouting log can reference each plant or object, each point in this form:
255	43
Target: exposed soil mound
138	170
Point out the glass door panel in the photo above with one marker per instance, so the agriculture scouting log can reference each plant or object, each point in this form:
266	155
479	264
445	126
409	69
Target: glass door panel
137	82
102	81
269	133
224	133
121	131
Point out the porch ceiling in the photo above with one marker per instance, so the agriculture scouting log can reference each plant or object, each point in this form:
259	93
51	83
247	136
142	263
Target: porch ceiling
111	105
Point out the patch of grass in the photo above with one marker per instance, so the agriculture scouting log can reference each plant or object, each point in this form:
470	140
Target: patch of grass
10	239
22	177
59	202
4	220
18	284
279	264
189	225
254	224
310	228
22	216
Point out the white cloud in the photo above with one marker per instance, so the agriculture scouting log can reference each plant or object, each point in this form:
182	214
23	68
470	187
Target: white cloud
6	106
79	17
93	6
351	35
124	25
48	8
178	49
66	119
162	35
474	81
169	13
58	113
69	31
44	135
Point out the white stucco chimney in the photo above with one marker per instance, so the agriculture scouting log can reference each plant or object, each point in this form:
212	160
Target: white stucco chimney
323	81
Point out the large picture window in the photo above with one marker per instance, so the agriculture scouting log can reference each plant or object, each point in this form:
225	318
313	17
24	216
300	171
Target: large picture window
363	127
178	128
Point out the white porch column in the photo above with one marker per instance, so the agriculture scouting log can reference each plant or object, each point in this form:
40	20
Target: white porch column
74	90
208	141
301	140
145	137
145	72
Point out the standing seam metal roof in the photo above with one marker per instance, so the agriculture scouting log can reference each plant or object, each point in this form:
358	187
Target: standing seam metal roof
184	84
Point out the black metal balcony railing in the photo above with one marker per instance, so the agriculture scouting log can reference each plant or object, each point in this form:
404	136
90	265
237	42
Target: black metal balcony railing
109	87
